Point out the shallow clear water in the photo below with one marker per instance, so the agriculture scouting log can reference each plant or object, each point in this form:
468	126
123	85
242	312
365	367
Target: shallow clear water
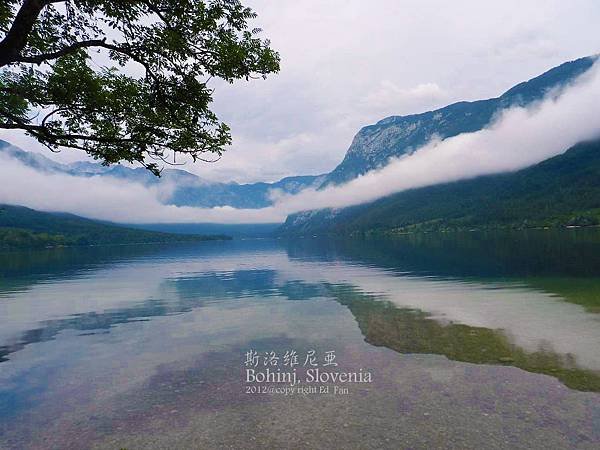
472	341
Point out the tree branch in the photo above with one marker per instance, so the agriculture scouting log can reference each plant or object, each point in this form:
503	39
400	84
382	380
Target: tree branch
101	43
16	38
47	134
40	58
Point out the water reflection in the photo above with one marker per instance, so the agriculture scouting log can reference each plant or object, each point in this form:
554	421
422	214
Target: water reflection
414	331
565	263
405	295
110	337
190	292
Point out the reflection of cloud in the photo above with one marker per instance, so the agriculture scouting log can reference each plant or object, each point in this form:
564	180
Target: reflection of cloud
529	317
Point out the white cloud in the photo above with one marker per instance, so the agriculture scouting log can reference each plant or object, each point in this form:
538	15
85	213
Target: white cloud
104	198
390	98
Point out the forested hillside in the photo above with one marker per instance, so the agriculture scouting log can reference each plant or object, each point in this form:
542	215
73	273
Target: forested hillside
561	191
22	227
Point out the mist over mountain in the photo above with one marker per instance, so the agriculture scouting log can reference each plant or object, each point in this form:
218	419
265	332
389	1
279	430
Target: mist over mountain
181	188
561	191
191	199
395	136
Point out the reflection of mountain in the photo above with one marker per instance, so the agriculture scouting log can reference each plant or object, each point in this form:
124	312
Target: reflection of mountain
414	331
471	254
23	270
192	292
20	271
565	263
382	324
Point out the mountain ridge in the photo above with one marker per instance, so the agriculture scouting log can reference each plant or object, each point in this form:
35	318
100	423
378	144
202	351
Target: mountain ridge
394	136
558	192
371	148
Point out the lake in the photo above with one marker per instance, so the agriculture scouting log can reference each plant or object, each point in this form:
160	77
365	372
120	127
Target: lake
457	340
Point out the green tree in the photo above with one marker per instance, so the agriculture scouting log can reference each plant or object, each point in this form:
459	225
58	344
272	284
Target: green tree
125	80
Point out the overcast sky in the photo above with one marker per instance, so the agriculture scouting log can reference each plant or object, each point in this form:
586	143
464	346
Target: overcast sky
349	63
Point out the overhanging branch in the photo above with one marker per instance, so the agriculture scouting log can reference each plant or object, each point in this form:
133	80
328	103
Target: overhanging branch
42	57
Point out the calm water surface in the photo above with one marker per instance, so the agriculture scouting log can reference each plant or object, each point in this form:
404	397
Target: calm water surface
473	341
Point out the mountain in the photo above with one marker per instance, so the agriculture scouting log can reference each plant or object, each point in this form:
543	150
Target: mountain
561	191
191	190
395	136
253	195
34	160
371	148
22	227
188	189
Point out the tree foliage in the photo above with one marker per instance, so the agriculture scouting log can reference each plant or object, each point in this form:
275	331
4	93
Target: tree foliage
125	80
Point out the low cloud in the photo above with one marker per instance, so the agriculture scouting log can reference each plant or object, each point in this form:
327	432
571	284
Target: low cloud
106	198
518	138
